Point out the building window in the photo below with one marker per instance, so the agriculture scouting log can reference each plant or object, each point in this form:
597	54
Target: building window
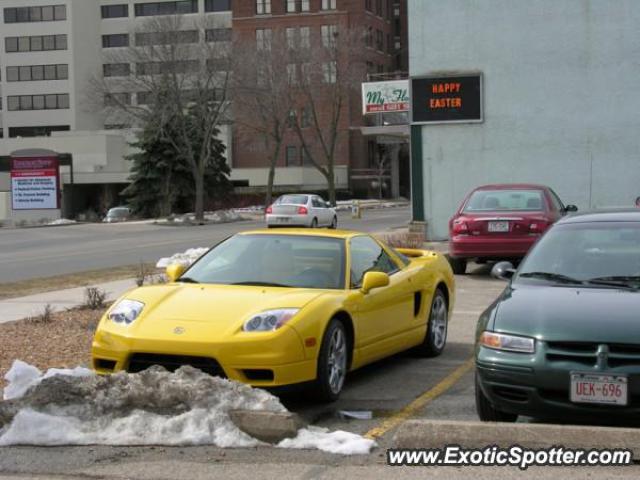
329	72
166	8
36	43
328	4
368	5
115	99
217	5
379	8
329	35
158	68
304	5
37	131
167	38
263	7
218	35
35	14
115	40
291	37
58	101
305	73
306	160
305	119
291	6
291	159
294	6
369	37
305	37
37	72
263	39
115	11
116	69
292	78
379	41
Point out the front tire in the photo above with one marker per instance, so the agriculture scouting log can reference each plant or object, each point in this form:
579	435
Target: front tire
437	326
332	363
486	411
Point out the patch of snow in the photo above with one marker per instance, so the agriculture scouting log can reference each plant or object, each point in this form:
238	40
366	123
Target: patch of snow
61	221
22	376
345	443
154	407
185	258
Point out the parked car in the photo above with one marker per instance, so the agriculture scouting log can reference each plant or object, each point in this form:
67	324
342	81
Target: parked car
563	339
301	210
117	214
272	309
501	222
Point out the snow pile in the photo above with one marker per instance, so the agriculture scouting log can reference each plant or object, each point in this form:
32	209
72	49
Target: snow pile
61	221
345	443
154	407
22	376
184	258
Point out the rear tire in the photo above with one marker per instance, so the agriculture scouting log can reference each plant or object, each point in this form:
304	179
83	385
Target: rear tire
436	337
458	265
314	223
487	412
332	363
334	223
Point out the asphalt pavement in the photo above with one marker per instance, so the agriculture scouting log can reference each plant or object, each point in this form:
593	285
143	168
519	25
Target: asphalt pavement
47	251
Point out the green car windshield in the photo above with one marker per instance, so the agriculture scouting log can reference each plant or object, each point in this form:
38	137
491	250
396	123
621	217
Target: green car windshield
273	260
585	252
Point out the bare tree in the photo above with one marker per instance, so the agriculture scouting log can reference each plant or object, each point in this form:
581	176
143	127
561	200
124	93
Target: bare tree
262	96
179	73
324	77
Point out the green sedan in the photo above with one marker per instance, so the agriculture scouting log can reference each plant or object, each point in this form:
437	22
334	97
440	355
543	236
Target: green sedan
563	338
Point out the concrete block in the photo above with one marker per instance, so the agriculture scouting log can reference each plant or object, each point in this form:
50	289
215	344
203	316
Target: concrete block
437	434
270	427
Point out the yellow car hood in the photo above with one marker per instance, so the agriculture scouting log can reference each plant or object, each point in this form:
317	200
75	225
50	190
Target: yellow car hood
218	310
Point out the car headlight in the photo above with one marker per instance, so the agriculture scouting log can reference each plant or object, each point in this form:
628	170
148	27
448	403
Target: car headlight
126	311
269	320
510	343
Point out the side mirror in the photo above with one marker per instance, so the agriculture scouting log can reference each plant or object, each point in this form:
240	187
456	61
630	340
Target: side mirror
174	271
570	208
373	280
503	270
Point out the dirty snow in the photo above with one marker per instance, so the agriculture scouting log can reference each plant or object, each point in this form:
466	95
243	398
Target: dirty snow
345	443
184	258
62	221
22	376
154	407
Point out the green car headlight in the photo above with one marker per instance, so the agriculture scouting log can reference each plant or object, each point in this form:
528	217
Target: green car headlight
509	343
269	320
125	311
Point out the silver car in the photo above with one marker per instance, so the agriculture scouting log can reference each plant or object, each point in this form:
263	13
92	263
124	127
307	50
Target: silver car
301	210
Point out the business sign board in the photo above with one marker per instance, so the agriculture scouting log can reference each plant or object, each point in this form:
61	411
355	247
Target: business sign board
381	97
446	99
35	183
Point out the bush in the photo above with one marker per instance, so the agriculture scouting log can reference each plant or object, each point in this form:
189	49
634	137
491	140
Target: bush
44	318
94	298
403	240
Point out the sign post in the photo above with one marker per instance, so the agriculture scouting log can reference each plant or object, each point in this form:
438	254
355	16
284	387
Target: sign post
35	183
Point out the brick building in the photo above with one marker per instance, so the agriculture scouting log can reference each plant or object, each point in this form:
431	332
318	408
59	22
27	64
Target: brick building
308	22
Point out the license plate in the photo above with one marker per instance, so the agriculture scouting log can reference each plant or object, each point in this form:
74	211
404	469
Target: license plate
602	389
282	219
498	226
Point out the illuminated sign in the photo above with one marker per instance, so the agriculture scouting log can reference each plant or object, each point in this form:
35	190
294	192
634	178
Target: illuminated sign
381	97
35	183
445	99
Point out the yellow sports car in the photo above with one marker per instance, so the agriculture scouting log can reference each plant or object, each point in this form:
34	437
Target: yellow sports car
272	309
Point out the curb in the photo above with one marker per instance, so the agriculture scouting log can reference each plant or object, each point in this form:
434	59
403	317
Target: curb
424	434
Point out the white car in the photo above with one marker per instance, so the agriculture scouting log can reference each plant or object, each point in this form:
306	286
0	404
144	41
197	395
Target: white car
301	210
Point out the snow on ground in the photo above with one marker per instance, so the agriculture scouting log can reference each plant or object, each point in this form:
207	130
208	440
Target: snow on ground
184	258
62	221
155	407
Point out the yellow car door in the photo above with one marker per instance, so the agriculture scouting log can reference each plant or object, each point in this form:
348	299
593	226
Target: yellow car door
383	316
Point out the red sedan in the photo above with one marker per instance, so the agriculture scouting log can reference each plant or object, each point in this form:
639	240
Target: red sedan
501	222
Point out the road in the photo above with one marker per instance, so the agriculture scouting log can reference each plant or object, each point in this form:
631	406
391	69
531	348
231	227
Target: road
46	251
385	388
